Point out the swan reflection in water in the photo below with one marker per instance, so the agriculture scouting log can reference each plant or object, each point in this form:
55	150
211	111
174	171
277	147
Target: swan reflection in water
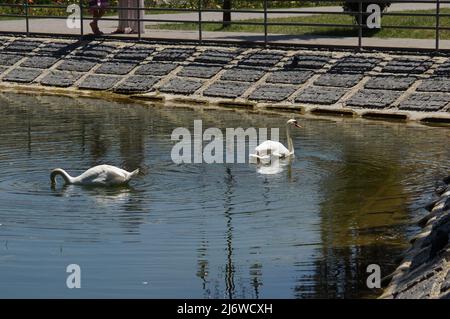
274	165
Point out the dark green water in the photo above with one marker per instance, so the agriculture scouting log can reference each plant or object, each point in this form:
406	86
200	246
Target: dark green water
204	230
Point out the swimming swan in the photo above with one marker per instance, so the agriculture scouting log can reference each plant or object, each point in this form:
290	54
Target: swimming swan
101	175
263	150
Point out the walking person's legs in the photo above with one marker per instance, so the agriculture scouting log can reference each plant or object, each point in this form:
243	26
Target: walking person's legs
123	15
97	8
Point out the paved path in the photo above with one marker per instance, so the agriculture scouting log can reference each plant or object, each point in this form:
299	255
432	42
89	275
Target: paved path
56	25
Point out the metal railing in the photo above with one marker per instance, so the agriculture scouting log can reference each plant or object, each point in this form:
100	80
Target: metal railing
11	13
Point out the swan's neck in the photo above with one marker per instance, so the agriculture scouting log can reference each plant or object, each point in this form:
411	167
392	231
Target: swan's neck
289	139
67	178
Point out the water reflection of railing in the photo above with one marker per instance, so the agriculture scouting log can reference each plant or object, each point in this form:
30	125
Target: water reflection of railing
199	15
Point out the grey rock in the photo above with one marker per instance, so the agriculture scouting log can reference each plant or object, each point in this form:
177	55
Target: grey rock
320	95
389	82
426	102
436	84
22	75
9	59
242	74
226	89
262	58
99	82
217	56
77	64
181	86
40	62
173	54
290	77
269	92
373	98
61	78
199	71
117	67
156	68
409	66
339	80
137	83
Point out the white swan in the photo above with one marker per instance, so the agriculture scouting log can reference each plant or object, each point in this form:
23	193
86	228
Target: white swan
267	148
101	175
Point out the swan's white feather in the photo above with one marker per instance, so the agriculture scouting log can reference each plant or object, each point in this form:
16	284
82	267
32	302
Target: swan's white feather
104	175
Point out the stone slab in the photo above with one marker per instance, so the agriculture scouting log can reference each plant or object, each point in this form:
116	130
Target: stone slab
173	54
22	75
436	84
99	82
425	102
117	67
339	80
262	59
400	83
199	71
290	77
61	78
181	86
39	62
409	66
369	98
242	74
226	89
155	68
77	64
137	83
9	59
217	56
354	65
320	95
134	53
270	92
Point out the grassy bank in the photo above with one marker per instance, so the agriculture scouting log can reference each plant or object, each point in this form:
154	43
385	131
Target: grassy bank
331	31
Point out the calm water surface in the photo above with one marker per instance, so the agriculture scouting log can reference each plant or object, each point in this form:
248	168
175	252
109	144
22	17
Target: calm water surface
204	231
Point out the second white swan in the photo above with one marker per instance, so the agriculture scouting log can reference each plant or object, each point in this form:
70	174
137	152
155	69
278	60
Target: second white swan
101	175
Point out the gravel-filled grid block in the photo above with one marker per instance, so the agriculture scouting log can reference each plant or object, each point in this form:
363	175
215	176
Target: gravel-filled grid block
307	62
263	59
320	95
290	77
437	84
117	67
340	80
242	74
56	48
39	62
443	69
155	68
99	82
173	54
226	89
181	86
427	102
61	78
269	92
9	59
3	69
374	98
217	56
77	64
409	66
22	75
135	53
95	50
137	83
199	71
23	46
354	65
389	82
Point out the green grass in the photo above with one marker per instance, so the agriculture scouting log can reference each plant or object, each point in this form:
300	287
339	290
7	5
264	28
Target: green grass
331	31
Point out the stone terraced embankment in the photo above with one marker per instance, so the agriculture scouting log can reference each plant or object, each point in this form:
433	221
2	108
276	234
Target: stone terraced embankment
413	87
425	271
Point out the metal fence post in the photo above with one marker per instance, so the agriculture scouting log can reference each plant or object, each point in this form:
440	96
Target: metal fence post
139	18
265	23
27	22
200	36
360	22
81	18
438	12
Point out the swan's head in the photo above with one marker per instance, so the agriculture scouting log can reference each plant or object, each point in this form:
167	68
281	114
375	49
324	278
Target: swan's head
293	122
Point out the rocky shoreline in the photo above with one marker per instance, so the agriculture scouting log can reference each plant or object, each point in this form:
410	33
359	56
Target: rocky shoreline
425	271
342	83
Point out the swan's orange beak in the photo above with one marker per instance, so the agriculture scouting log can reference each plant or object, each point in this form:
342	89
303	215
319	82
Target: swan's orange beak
298	125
